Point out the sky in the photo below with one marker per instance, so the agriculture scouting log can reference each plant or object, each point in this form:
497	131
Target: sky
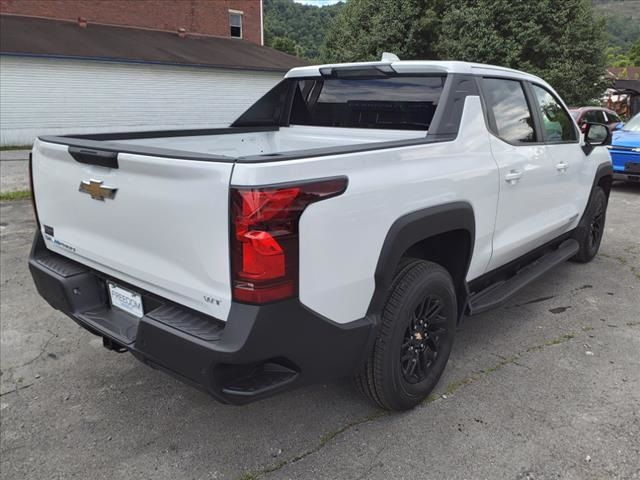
317	3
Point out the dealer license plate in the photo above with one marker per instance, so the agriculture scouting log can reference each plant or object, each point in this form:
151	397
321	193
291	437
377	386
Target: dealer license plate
126	300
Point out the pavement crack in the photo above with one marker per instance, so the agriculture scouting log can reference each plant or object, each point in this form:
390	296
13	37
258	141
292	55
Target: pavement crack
323	442
376	414
42	352
453	387
623	262
373	464
17	389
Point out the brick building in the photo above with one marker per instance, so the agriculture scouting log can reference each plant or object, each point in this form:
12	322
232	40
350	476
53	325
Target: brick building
83	66
204	17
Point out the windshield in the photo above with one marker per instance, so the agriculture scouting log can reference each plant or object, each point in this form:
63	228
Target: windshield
632	125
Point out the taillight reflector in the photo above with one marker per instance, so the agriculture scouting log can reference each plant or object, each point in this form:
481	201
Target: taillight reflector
264	237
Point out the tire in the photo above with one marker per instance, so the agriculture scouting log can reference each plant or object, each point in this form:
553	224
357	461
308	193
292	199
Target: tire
408	357
591	228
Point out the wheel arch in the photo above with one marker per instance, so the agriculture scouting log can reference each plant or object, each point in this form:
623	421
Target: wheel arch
603	178
444	234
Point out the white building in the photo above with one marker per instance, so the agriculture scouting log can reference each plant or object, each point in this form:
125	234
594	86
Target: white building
57	78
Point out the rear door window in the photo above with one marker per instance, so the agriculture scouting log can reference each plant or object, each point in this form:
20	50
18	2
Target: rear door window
509	110
395	102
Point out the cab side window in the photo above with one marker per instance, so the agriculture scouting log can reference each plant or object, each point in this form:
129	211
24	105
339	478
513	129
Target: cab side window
591	116
508	107
556	123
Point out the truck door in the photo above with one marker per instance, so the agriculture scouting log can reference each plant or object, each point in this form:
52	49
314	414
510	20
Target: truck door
570	181
524	217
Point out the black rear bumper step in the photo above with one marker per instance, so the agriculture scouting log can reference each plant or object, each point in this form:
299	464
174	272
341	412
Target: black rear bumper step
83	292
257	352
188	322
261	379
498	293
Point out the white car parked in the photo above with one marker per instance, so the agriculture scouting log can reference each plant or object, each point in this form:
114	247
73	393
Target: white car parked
342	226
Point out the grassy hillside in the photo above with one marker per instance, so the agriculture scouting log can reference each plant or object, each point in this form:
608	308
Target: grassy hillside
623	21
626	8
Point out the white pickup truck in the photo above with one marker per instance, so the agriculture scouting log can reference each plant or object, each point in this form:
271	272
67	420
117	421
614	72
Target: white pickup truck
342	226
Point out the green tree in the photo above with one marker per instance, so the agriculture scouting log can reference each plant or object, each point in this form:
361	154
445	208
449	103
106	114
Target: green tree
286	45
304	25
363	29
634	54
562	42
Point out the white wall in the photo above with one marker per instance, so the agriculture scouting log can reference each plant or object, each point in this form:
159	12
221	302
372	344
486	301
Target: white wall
40	96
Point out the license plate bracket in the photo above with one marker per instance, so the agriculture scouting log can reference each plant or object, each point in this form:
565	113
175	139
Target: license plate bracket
125	300
632	167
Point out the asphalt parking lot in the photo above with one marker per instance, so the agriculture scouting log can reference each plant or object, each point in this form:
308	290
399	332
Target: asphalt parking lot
14	168
547	387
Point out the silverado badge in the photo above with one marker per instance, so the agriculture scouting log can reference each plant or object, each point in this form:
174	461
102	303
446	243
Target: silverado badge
97	190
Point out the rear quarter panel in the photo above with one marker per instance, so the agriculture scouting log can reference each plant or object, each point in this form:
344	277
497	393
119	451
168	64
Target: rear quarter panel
341	238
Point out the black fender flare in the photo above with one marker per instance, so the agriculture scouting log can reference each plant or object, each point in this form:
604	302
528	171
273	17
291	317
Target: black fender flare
605	169
412	228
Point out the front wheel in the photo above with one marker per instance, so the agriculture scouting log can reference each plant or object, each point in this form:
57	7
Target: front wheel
591	228
415	338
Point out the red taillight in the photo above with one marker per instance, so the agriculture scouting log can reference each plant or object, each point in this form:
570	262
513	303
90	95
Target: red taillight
264	237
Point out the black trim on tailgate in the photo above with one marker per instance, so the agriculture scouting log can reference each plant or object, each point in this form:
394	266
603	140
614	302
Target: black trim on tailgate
108	143
116	147
94	157
175	133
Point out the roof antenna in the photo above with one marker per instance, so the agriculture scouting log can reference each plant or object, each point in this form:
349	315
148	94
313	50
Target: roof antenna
389	57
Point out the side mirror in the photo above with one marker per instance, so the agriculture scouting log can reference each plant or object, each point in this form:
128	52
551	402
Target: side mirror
595	135
619	126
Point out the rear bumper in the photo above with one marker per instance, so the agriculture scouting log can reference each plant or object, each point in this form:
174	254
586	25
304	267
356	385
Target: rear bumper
631	177
257	352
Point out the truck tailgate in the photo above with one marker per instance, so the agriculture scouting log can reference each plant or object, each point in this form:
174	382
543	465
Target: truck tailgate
165	230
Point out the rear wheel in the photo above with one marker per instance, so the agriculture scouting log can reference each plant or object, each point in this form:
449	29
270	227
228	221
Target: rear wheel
415	337
591	229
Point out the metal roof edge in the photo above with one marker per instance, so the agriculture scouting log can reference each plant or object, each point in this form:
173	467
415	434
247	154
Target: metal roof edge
143	62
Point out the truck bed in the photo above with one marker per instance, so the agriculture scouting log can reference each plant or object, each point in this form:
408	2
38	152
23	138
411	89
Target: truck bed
283	140
230	144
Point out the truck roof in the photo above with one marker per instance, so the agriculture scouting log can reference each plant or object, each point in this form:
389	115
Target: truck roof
420	66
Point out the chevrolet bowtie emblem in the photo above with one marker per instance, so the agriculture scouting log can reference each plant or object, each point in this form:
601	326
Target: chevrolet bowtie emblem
97	190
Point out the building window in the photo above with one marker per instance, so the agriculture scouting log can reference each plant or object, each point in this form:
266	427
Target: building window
235	23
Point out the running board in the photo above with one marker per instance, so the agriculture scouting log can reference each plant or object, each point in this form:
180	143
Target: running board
496	294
